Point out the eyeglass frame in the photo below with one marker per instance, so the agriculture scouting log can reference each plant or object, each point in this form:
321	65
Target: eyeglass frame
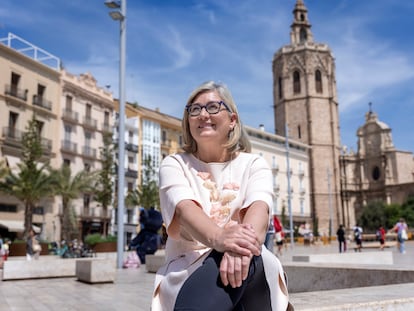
220	103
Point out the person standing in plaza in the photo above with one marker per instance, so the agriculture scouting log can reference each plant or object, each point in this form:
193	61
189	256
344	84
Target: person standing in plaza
358	237
33	247
215	201
402	229
279	234
270	236
381	237
340	234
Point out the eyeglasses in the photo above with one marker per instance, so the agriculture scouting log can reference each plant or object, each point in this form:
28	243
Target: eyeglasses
212	107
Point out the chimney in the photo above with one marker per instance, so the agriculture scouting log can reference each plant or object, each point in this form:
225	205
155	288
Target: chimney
261	127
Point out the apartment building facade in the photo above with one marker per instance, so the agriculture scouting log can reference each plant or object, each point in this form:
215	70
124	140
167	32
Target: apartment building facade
148	134
289	161
29	89
72	114
85	117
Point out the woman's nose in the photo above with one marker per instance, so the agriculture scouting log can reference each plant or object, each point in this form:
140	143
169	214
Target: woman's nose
203	112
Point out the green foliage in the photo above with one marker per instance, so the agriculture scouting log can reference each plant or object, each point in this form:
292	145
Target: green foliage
70	187
373	216
283	215
3	169
378	213
105	185
315	226
33	182
92	239
95	238
392	214
19	241
111	238
31	144
146	194
407	210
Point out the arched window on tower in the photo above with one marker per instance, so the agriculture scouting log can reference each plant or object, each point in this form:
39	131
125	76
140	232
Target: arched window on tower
280	87
318	81
296	82
303	36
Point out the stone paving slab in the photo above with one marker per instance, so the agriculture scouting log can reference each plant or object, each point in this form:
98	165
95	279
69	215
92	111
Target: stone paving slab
132	290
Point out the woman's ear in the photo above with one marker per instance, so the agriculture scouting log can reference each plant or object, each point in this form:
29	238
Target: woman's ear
233	121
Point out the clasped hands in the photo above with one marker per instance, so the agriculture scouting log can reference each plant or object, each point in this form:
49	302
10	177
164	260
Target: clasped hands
239	244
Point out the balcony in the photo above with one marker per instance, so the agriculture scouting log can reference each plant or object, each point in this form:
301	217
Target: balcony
276	188
131	173
12	137
132	148
301	173
14	91
69	115
90	123
275	169
39	101
46	145
166	143
302	190
68	146
89	152
106	128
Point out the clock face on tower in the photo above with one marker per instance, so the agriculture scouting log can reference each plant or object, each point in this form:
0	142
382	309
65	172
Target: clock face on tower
376	173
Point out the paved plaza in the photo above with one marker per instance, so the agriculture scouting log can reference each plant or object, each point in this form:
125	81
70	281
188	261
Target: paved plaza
133	288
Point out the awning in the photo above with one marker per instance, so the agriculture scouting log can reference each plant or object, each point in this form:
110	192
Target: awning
16	225
12	163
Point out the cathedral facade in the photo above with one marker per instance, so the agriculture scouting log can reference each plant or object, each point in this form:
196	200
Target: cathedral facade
306	109
377	171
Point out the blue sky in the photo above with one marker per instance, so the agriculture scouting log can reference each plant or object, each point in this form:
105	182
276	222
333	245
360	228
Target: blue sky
174	45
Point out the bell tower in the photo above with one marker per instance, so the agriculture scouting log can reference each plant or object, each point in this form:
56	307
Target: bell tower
305	103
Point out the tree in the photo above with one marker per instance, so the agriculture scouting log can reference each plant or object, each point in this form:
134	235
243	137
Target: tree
146	194
3	169
283	214
377	213
105	186
407	211
33	181
373	216
70	187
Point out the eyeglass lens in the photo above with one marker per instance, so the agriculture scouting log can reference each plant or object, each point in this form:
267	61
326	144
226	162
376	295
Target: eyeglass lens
211	107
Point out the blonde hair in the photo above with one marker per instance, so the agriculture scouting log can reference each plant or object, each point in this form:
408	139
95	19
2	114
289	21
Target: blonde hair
237	139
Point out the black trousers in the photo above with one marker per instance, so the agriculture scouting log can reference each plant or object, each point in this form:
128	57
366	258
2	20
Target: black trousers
204	291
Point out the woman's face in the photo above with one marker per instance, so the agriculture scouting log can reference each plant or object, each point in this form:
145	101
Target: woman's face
211	127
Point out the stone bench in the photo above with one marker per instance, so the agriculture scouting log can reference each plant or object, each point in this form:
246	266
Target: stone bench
155	261
311	277
370	258
95	270
374	245
23	269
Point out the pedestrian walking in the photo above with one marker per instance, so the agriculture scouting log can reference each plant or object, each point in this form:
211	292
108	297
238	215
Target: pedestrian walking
358	237
33	247
340	234
381	237
401	228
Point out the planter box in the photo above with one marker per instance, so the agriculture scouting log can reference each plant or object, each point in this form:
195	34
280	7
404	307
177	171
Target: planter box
95	270
19	249
105	247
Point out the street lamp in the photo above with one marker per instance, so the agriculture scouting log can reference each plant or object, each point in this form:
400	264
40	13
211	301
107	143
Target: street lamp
292	240
120	15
